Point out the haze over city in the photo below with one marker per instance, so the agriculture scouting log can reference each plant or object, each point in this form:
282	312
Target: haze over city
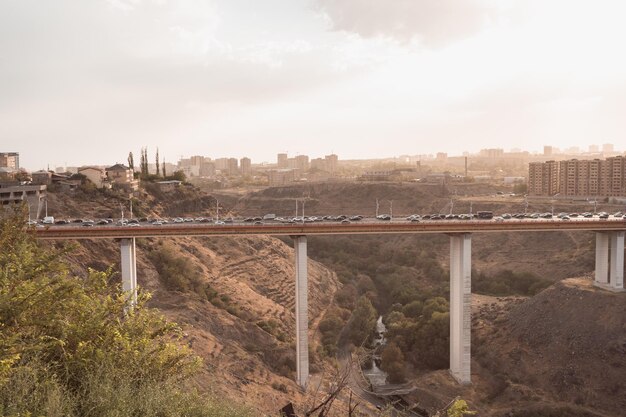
87	82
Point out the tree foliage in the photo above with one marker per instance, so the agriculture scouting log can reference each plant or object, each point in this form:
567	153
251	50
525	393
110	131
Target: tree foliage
70	347
131	161
393	363
363	323
507	282
423	333
459	409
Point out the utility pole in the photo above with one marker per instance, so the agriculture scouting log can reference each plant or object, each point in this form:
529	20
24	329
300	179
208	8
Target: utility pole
46	207
471	204
131	208
296	207
217	210
377	207
122	210
391	209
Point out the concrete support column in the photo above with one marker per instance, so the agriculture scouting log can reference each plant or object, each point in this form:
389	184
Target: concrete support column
602	258
616	268
460	306
302	312
129	268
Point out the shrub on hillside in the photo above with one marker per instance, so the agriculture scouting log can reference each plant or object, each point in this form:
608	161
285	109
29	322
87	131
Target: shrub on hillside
507	282
178	273
69	346
363	322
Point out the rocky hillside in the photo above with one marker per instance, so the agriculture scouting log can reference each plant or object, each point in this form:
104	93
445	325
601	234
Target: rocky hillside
234	297
566	345
559	353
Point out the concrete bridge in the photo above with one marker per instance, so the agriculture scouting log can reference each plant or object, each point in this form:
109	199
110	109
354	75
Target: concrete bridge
609	268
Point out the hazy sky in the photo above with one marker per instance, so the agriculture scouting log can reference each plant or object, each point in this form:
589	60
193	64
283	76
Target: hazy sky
87	81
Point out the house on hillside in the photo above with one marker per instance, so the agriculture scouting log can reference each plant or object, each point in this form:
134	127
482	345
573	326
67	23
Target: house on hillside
168	185
120	176
94	174
41	177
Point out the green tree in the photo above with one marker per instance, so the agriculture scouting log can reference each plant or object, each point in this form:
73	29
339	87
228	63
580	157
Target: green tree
363	322
158	170
69	347
459	409
393	363
131	161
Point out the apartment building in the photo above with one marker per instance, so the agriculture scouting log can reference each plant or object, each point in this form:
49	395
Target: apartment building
10	160
543	178
580	178
246	166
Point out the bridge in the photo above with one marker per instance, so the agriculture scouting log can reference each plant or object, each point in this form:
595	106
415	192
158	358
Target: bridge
609	264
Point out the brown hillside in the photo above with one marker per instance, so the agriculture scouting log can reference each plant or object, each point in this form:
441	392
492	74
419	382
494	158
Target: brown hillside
566	344
559	353
245	333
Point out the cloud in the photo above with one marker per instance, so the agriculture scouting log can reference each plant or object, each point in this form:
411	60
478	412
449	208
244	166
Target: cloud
433	22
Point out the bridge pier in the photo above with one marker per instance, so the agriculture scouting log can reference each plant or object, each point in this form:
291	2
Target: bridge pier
609	272
302	312
129	268
460	306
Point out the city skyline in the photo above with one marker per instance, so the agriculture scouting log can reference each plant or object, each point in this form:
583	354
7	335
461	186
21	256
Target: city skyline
90	81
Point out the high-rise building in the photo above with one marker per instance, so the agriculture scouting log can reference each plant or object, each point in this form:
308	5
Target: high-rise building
282	160
332	161
547	150
608	148
246	166
302	163
197	160
233	166
614	171
594	149
543	178
221	164
10	160
582	178
318	163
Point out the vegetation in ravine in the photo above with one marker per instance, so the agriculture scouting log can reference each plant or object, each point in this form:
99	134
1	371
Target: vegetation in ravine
407	284
507	282
69	346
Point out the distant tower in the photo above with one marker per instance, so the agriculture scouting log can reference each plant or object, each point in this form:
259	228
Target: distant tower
282	160
607	148
547	150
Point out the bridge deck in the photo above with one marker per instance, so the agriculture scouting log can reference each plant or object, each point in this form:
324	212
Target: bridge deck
373	227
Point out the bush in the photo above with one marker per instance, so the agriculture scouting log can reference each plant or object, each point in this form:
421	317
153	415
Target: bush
179	274
363	322
69	346
506	282
393	363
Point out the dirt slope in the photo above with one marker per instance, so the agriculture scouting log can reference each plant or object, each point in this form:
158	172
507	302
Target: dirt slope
246	334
